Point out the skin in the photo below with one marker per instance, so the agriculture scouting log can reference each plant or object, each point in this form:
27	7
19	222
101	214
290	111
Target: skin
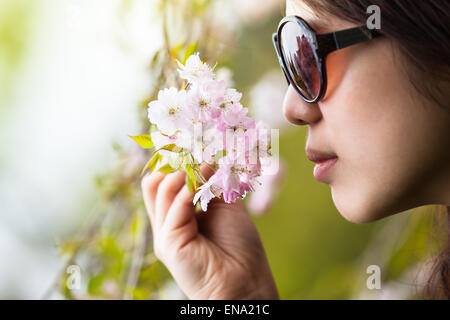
393	145
393	151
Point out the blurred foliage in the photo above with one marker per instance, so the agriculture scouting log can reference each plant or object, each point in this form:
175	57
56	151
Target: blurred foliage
15	29
313	251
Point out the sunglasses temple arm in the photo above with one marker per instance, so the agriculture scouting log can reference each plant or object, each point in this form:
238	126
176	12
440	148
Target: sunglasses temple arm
332	41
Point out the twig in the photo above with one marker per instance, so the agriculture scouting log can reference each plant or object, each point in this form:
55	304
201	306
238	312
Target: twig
137	262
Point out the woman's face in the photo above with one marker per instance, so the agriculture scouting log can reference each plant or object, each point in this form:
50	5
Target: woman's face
392	148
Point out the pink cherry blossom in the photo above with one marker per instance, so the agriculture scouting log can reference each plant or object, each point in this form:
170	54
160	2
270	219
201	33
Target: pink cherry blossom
266	191
235	117
195	70
205	99
168	112
160	140
209	123
204	194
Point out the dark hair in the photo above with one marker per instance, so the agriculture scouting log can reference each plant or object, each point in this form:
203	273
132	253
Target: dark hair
438	284
421	30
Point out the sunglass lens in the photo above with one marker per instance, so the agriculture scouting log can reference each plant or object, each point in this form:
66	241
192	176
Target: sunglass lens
300	59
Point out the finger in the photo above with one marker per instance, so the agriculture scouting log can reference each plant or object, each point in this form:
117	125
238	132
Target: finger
167	190
149	186
182	210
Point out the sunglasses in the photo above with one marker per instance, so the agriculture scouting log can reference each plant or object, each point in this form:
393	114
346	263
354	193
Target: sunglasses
302	52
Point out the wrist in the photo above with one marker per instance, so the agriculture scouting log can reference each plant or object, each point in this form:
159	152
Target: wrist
265	291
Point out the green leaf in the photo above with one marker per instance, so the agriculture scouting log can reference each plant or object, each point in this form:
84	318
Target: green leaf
190	51
171	147
190	174
198	207
151	163
189	184
176	49
153	128
139	293
94	286
188	160
144	140
175	161
166	169
198	174
220	154
109	246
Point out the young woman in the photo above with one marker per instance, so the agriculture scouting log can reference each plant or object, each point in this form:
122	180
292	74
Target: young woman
377	107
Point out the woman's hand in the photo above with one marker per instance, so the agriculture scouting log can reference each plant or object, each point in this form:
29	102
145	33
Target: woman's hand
212	255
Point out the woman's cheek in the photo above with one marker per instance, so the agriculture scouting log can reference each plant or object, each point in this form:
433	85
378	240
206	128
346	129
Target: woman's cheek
364	175
381	148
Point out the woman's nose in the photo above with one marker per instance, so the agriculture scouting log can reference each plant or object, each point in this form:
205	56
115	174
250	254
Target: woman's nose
299	112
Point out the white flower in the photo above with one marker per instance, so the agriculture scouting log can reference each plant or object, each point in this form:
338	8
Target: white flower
212	143
182	138
206	98
204	194
195	69
232	96
160	140
169	111
231	100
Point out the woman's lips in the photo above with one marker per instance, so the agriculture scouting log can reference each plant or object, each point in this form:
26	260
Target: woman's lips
325	161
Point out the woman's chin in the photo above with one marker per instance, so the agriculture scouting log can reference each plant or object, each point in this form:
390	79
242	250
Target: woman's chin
356	208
